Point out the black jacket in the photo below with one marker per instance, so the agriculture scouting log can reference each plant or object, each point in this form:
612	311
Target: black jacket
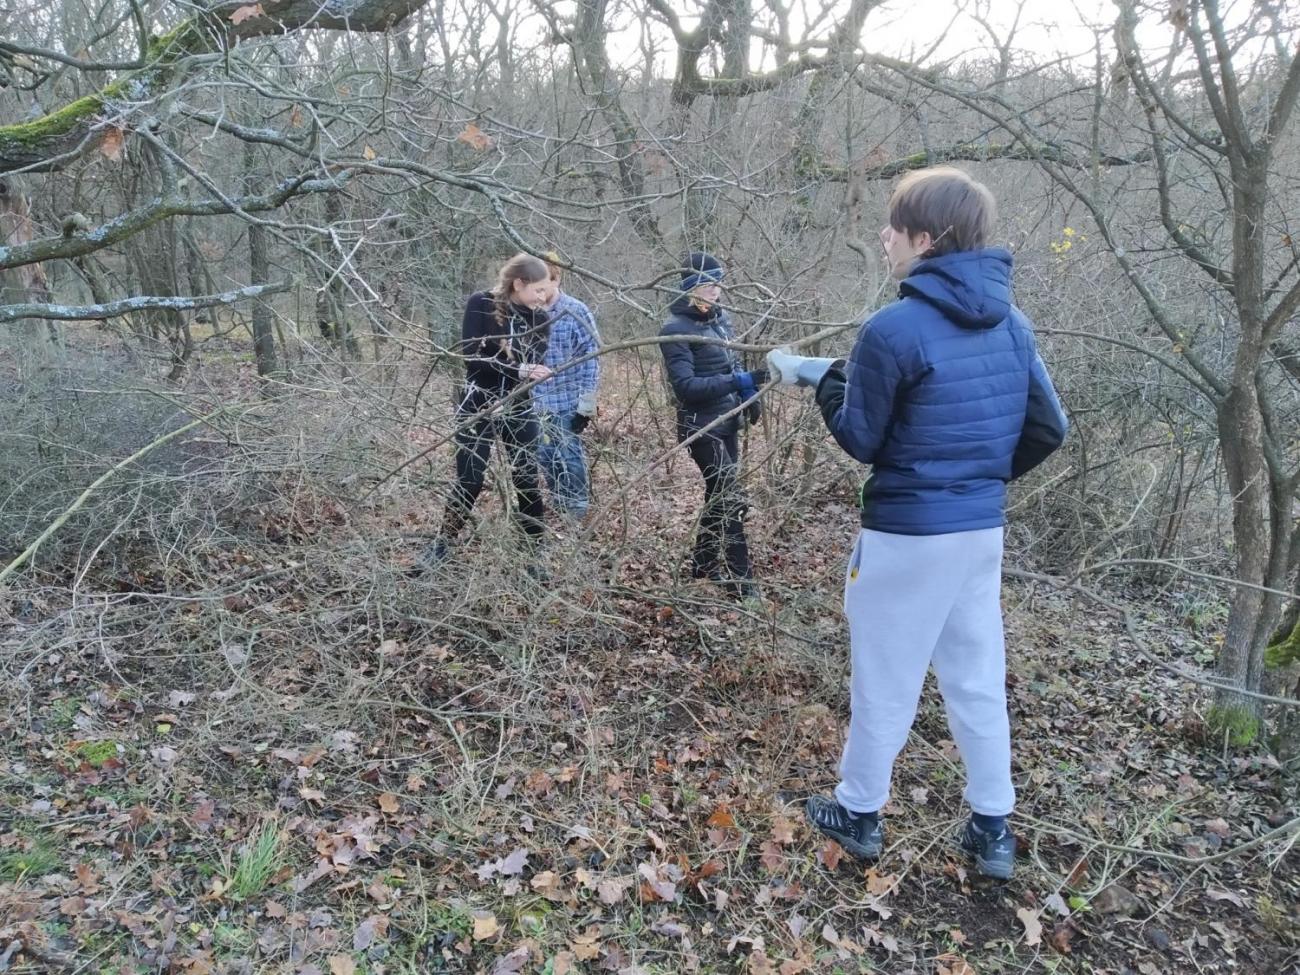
702	375
493	351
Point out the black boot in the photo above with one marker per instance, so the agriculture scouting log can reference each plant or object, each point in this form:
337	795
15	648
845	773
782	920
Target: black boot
745	591
708	571
431	558
531	550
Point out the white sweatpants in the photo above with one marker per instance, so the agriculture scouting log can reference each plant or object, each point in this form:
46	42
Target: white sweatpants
913	601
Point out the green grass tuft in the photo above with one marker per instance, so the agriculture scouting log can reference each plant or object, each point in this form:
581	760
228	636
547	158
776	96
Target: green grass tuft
261	858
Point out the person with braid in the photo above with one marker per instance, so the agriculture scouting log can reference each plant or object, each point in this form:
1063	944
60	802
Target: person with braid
503	342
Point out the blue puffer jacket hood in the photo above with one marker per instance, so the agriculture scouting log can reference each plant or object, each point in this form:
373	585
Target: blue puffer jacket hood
971	288
945	396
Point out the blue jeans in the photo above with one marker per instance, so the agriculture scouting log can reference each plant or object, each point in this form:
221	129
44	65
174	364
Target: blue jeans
564	463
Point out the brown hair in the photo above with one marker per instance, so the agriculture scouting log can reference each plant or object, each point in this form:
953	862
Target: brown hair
522	267
944	202
554	264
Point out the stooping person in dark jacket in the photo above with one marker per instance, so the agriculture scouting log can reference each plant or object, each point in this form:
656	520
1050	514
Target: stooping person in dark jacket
503	342
946	398
708	382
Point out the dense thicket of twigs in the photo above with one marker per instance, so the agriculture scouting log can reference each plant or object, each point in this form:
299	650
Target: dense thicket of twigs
242	584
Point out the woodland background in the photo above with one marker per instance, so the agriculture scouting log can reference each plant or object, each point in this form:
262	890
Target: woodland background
235	240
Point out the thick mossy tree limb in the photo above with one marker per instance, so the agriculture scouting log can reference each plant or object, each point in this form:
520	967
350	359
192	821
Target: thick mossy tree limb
1285	651
50	142
45	144
965	152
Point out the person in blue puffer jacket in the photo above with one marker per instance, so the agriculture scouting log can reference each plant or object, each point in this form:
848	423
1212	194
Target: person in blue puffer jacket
947	399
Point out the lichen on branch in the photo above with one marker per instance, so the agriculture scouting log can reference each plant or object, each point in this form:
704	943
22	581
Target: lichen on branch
48	143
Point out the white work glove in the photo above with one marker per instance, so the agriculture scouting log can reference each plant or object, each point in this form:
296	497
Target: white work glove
587	404
799	370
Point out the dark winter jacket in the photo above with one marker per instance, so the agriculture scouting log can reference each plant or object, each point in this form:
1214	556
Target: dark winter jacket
946	397
493	350
702	375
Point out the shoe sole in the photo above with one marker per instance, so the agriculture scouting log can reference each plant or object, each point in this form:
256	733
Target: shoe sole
987	868
851	846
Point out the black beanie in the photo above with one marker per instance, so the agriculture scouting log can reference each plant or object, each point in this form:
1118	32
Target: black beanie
700	268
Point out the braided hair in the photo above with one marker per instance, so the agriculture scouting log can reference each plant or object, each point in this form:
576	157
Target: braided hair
522	267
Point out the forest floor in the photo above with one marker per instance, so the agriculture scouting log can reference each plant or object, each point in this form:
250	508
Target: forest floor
274	752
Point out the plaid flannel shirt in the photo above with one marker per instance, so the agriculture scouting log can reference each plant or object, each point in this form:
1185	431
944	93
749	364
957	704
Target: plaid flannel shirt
573	335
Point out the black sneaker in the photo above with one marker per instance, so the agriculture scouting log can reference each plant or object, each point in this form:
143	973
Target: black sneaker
994	853
433	556
861	835
710	572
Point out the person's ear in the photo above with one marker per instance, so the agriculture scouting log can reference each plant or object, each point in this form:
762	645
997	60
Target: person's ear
922	242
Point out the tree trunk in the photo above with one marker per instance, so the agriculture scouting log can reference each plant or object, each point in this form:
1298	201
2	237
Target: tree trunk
1282	659
591	58
263	328
1262	499
505	55
36	338
807	124
331	297
259	273
1289	629
1241	435
154	256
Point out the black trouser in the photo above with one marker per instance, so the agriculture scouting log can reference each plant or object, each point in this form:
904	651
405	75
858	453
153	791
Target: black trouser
517	430
720	544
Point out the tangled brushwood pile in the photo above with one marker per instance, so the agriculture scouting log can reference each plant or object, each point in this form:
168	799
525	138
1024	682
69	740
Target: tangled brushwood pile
238	738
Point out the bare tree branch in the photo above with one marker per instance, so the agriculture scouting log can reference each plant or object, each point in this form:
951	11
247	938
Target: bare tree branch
1006	117
1285	104
1282	312
980	152
1288	357
44	143
1230	123
132	222
8	47
72	509
125	306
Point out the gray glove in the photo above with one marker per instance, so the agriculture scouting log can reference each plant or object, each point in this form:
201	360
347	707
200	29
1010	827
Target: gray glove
799	370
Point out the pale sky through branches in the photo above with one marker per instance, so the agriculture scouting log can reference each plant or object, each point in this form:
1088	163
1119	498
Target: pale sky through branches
953	31
1047	28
